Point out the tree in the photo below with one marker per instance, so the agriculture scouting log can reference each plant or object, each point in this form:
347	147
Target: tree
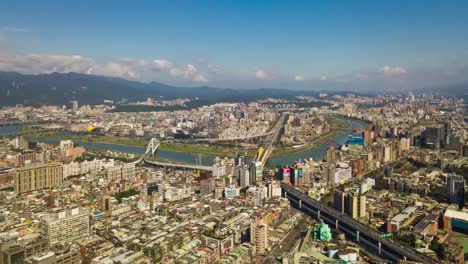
437	247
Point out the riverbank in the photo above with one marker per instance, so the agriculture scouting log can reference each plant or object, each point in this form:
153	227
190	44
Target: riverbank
197	149
337	126
281	152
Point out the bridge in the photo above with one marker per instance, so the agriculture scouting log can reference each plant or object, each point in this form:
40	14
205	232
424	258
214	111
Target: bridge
362	235
153	146
264	152
179	166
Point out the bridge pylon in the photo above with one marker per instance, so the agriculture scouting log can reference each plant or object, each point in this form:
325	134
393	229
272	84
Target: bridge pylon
153	145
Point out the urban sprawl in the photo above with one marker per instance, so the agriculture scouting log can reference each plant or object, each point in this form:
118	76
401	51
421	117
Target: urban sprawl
376	180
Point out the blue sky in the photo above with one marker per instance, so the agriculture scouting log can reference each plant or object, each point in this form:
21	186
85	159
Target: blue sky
353	45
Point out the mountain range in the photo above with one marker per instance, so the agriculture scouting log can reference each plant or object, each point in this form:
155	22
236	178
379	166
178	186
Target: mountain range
61	88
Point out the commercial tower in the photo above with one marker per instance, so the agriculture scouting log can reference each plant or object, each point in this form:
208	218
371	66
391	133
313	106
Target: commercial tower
456	189
350	202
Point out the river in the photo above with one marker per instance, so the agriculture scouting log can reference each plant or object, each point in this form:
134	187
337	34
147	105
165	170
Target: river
317	152
8	129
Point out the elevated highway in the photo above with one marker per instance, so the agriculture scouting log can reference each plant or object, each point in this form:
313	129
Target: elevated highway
362	235
265	151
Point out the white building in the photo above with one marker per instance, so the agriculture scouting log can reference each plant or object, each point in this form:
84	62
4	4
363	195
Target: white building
172	194
66	226
114	173
128	171
65	145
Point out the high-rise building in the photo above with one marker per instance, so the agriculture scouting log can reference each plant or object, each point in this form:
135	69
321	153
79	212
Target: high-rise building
350	202
330	173
259	236
286	173
434	135
66	226
339	200
331	155
65	145
456	189
252	173
355	204
74	105
366	134
207	186
128	171
296	177
244	176
105	201
38	176
114	173
388	171
219	167
387	154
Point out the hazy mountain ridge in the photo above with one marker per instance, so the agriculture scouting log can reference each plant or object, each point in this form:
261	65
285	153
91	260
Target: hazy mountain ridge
60	88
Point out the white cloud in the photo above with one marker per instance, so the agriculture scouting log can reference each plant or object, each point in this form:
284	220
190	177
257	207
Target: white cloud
46	63
187	72
114	69
323	78
200	78
162	65
183	72
215	69
130	68
392	71
299	78
262	75
16	29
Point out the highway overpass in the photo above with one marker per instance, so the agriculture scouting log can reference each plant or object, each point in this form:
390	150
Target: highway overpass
365	237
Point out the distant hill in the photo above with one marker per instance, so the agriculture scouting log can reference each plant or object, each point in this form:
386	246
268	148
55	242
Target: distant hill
61	88
457	90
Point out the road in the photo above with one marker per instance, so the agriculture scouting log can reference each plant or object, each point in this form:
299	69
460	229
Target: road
363	235
268	145
287	243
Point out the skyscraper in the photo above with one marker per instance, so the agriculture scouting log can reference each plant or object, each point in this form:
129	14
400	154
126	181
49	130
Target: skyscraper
433	136
331	155
456	189
330	174
339	201
355	204
244	176
350	202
